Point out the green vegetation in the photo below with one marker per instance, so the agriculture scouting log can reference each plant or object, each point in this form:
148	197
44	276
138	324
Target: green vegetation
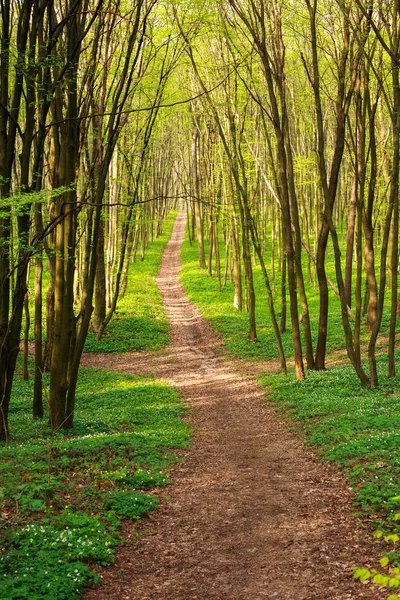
63	496
297	146
355	427
233	326
217	307
140	322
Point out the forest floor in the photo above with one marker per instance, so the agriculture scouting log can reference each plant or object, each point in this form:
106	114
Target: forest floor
252	513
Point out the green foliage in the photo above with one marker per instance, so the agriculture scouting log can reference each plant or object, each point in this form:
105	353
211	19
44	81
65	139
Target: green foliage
20	202
31	496
130	505
48	559
389	537
63	497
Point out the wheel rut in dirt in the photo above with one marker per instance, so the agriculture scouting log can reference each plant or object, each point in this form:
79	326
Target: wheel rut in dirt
252	514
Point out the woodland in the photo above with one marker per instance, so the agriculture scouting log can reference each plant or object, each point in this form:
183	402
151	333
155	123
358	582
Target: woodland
275	126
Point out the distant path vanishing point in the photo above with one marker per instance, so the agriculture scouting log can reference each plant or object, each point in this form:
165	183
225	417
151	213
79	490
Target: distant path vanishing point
252	514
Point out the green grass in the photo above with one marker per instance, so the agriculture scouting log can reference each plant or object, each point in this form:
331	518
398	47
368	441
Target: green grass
139	322
62	498
358	429
217	307
353	426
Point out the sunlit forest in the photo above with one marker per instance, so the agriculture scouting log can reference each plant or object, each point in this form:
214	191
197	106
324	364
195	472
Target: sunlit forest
264	137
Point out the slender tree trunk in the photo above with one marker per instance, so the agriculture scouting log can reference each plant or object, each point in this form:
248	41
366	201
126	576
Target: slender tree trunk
271	306
26	337
297	253
237	270
351	224
283	295
99	313
196	194
394	258
39	366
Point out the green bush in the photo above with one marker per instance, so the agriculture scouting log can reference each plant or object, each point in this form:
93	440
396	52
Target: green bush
48	559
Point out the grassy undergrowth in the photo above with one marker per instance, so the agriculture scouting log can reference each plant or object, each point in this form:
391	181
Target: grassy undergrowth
63	497
217	307
358	429
139	322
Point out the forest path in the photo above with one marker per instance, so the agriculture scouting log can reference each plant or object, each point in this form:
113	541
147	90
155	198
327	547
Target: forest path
251	515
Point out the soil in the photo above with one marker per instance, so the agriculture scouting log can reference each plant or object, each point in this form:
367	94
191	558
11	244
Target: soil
252	513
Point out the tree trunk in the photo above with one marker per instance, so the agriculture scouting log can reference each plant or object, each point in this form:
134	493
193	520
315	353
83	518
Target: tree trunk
39	367
99	313
351	224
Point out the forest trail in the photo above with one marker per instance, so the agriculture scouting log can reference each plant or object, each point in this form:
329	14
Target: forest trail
252	514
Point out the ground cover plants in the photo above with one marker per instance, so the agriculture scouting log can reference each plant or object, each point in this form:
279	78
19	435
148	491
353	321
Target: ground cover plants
216	304
270	123
139	323
356	428
63	496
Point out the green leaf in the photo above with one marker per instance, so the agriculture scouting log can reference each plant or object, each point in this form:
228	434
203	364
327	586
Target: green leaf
384	561
380	579
362	574
393	537
37	505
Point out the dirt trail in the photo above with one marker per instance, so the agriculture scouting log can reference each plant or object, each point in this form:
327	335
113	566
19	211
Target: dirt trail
252	514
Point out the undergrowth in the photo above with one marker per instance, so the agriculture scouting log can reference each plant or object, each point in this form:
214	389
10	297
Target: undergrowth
139	323
63	496
217	307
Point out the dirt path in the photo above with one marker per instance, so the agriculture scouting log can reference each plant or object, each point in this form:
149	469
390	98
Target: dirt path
252	515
